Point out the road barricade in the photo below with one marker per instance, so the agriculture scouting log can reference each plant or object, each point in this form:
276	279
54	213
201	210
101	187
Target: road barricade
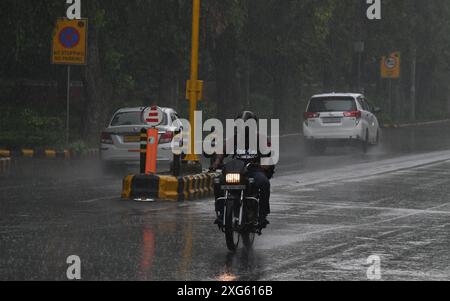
169	188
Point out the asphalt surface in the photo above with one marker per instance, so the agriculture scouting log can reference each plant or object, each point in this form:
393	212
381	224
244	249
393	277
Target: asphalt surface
329	214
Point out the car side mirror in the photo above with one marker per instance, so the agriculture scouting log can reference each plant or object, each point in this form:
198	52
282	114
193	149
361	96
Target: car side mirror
377	110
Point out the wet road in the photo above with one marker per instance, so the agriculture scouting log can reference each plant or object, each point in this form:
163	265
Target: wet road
330	213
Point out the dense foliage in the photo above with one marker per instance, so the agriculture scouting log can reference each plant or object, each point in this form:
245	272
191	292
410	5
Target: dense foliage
266	55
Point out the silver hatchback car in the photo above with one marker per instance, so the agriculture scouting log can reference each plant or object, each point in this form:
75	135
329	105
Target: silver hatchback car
340	118
120	141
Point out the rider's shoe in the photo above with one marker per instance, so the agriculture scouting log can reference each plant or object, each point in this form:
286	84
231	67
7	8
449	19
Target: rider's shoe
263	222
219	221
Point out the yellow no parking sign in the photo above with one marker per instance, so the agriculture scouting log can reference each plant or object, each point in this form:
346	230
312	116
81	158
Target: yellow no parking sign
69	44
390	66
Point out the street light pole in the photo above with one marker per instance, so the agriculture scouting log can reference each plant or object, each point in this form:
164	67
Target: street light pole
194	86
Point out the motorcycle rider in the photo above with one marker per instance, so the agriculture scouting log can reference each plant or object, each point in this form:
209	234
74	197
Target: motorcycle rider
260	173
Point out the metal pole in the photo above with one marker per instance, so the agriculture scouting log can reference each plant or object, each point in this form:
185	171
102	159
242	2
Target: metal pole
193	89
176	170
68	107
359	72
390	97
412	114
143	150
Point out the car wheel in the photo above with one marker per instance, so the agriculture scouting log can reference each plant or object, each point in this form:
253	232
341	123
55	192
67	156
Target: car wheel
320	148
308	147
365	143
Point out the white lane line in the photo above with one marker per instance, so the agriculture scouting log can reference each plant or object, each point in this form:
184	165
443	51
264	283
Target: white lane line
290	135
106	198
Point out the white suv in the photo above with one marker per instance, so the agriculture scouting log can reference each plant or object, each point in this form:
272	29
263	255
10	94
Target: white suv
120	141
340	117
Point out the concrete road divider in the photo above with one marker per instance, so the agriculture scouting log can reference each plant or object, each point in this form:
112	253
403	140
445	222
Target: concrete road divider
171	188
5	165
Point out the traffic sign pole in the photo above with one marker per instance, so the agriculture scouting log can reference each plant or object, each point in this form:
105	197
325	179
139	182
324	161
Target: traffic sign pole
69	47
153	117
143	150
68	107
152	151
390	96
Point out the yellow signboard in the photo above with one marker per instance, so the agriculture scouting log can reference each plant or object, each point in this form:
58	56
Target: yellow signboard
390	66
69	46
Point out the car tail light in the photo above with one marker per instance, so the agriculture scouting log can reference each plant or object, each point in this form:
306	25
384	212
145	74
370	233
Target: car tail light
106	138
310	115
166	138
353	114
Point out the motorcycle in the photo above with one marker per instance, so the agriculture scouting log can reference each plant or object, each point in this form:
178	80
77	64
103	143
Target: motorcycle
240	202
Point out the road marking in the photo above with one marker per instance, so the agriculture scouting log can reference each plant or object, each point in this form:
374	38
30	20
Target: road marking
106	198
366	238
291	135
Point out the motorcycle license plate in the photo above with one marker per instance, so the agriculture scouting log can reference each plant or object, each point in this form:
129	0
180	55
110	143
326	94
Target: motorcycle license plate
233	187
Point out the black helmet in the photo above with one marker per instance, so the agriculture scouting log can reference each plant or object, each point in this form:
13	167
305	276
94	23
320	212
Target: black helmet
246	116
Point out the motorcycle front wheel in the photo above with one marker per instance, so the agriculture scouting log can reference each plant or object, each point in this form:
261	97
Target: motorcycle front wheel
231	236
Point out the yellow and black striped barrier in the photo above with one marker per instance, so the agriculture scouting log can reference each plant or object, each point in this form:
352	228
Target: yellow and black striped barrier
35	153
48	154
171	188
5	165
92	153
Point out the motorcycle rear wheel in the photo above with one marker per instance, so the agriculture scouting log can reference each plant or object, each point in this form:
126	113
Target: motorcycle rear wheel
248	239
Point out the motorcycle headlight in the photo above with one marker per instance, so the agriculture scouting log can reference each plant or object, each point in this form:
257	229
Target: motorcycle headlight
233	178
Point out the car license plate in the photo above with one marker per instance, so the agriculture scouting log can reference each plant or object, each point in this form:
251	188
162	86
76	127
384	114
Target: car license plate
331	120
233	187
131	139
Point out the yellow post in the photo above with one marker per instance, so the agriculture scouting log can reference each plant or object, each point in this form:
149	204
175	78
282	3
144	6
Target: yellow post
193	85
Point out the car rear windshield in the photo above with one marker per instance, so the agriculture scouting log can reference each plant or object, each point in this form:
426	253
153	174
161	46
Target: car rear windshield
332	104
127	118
